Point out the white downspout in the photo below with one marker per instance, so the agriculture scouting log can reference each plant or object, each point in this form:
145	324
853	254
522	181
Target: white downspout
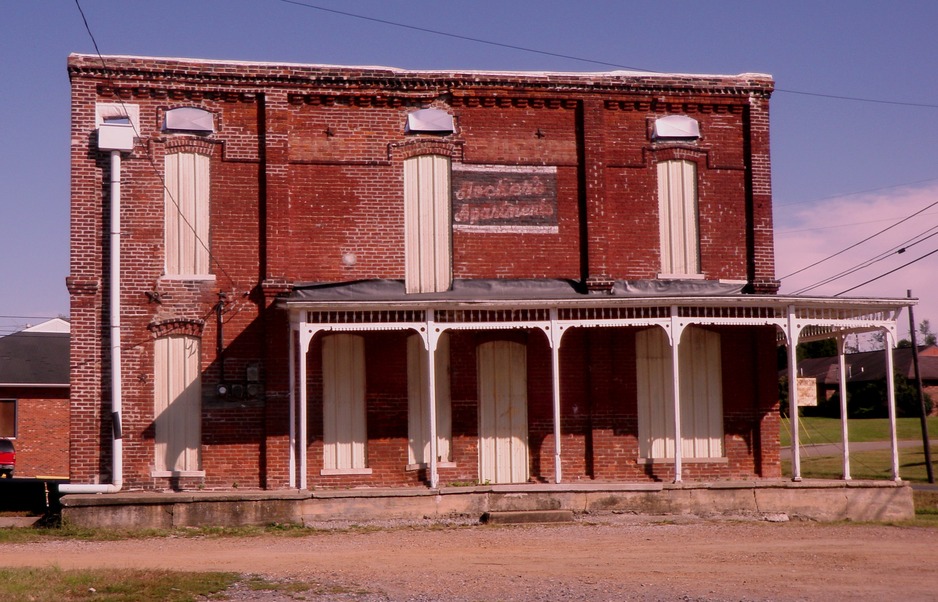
117	447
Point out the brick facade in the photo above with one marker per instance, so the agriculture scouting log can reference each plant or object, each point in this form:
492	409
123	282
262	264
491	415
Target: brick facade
306	168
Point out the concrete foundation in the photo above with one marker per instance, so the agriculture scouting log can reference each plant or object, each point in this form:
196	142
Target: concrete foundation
773	500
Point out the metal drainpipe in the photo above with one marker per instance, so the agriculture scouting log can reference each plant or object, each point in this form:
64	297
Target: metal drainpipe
117	448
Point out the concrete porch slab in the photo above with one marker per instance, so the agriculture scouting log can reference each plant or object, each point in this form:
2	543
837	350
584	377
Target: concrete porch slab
808	500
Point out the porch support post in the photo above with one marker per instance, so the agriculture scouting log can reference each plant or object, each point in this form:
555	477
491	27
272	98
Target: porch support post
891	402
292	349
676	332
555	335
433	336
841	341
793	331
306	336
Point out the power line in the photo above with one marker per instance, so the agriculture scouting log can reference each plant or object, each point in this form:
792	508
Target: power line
856	244
462	37
152	162
896	250
887	273
577	58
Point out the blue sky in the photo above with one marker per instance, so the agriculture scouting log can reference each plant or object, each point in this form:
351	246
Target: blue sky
842	169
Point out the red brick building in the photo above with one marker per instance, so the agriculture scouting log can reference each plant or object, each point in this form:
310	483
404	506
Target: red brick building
332	277
34	397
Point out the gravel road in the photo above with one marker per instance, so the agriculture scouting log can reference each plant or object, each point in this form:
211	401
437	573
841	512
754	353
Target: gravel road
613	557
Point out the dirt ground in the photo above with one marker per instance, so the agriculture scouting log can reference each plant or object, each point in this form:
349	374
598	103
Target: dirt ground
599	558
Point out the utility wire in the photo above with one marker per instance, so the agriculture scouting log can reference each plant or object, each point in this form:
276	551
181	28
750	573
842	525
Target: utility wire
152	162
856	244
576	58
897	250
462	37
887	273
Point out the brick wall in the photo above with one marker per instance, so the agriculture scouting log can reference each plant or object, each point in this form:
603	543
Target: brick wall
307	168
41	430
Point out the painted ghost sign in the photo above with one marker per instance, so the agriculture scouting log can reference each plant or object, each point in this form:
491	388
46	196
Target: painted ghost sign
502	198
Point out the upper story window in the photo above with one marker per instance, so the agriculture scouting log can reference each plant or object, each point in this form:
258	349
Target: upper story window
189	119
186	209
678	218
676	127
430	121
427	224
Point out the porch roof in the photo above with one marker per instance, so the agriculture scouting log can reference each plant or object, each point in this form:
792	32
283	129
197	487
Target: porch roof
537	302
505	293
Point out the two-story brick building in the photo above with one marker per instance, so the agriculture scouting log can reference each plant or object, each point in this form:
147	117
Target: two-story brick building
314	277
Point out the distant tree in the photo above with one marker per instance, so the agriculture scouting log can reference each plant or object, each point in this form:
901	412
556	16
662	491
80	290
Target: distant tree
927	337
924	336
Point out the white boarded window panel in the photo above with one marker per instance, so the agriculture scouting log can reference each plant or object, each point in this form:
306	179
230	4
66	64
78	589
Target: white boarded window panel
677	206
677	126
418	429
343	378
503	417
189	119
427	246
655	394
186	214
701	394
177	404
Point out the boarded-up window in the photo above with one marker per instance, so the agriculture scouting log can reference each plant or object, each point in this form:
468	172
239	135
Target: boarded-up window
503	412
343	378
677	206
177	404
427	230
701	394
418	429
187	214
8	418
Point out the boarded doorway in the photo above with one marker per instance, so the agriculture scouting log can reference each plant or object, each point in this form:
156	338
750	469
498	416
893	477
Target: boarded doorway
503	412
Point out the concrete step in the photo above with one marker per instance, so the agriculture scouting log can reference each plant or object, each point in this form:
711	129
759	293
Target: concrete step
515	517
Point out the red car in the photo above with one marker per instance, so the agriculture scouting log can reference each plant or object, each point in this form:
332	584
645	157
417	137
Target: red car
7	458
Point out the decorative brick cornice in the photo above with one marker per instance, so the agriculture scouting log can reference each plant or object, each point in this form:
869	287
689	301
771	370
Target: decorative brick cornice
76	286
144	75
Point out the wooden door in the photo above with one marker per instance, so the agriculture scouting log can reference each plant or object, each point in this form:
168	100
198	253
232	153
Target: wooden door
503	412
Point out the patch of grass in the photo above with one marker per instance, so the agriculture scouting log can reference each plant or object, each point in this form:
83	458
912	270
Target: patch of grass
56	585
867	465
827	430
28	535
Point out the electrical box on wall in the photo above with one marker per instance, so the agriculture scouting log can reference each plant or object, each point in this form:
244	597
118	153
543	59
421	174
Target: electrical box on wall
116	136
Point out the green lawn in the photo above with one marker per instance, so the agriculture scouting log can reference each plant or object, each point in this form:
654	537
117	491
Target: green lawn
863	464
868	465
827	430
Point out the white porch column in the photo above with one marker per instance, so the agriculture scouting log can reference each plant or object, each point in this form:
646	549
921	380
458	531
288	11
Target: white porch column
792	336
554	337
841	342
292	349
891	402
676	332
431	340
306	336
